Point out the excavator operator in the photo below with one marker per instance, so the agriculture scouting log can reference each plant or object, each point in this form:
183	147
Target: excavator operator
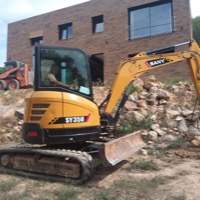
51	79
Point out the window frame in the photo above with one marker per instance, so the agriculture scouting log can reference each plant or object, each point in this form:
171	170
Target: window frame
150	5
96	21
37	40
65	27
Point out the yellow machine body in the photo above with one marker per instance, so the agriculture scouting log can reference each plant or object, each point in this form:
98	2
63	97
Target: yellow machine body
56	105
65	116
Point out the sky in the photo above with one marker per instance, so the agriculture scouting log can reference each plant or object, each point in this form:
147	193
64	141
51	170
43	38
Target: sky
15	10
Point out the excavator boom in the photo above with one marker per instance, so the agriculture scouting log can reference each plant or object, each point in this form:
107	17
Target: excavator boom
194	66
130	69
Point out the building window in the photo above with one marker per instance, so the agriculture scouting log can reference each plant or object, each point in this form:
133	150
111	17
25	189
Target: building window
65	31
36	40
97	24
150	19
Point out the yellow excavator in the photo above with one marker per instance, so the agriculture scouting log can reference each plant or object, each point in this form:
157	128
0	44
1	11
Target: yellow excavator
63	126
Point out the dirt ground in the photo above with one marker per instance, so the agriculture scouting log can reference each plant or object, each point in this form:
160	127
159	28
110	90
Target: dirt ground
159	174
175	178
182	175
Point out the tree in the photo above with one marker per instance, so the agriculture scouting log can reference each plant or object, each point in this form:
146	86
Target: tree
2	70
196	29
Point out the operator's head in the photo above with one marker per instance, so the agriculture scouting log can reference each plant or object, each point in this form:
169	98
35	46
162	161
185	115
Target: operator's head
54	69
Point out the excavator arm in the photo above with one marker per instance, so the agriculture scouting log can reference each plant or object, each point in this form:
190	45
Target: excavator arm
132	68
129	70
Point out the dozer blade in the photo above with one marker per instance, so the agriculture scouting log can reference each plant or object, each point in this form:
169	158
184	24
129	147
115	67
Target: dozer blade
121	148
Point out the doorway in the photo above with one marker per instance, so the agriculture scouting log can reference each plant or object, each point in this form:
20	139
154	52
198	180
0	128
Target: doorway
97	68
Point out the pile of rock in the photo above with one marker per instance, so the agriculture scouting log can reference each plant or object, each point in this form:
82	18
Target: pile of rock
11	111
170	108
10	130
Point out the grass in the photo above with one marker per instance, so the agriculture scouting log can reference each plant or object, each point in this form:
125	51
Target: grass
123	189
11	190
180	197
132	89
24	195
8	185
146	165
105	194
66	194
141	188
169	83
142	184
178	143
128	126
129	188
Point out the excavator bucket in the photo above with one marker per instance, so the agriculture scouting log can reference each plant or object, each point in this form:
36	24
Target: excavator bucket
121	148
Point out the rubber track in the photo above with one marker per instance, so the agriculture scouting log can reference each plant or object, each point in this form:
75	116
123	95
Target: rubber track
83	158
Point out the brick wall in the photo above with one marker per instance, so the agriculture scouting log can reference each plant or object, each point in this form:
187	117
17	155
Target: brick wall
113	42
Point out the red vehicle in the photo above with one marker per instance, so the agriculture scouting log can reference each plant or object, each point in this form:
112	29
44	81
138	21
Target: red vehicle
17	75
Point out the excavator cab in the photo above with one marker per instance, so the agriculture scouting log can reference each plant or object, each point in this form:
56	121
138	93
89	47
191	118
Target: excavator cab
72	69
61	109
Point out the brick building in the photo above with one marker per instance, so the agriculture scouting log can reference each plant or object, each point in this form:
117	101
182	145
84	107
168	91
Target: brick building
109	30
